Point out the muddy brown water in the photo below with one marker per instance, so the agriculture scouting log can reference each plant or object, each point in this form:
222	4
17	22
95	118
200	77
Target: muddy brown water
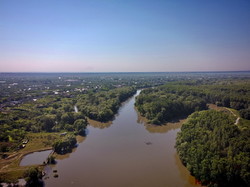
126	153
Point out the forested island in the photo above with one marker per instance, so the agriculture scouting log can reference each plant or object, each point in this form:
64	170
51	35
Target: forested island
48	111
215	149
213	145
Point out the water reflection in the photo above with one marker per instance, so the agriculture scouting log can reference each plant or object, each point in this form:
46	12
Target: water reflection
67	155
79	140
159	128
100	125
183	170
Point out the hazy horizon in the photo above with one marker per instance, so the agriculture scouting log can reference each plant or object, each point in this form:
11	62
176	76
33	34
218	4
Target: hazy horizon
124	36
122	72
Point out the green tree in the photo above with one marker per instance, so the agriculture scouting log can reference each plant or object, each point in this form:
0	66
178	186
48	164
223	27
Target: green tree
80	126
48	122
214	149
33	176
65	144
67	118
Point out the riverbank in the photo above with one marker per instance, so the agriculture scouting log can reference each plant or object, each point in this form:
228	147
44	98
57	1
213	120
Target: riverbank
163	128
123	154
10	168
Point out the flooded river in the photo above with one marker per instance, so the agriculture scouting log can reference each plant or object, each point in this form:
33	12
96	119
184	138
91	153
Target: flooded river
124	153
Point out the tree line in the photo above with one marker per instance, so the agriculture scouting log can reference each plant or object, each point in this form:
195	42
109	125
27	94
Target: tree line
175	99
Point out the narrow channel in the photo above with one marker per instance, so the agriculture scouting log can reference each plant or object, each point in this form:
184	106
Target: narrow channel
125	153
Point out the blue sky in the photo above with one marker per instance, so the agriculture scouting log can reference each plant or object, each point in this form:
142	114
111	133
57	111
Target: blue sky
124	36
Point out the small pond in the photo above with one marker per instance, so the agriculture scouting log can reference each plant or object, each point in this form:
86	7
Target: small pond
35	158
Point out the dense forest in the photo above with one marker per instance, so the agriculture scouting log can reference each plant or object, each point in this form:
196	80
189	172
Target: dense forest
214	149
164	103
160	106
104	105
56	114
213	146
43	111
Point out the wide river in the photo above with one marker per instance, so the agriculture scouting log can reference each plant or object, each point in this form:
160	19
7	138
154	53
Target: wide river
124	153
